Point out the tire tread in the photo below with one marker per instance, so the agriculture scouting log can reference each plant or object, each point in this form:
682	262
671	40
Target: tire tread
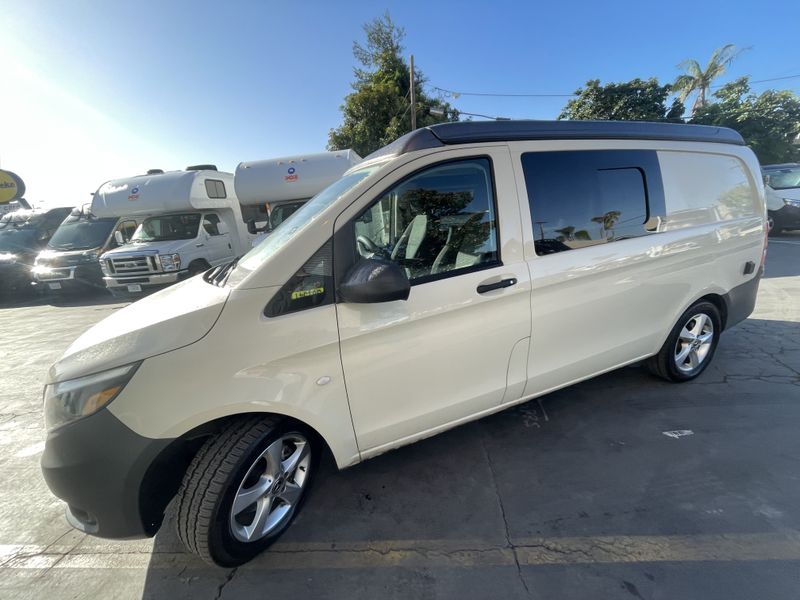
206	479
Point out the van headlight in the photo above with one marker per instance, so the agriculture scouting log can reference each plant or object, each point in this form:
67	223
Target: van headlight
791	202
170	262
74	399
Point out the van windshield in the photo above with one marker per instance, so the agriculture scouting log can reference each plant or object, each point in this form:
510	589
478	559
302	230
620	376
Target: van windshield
302	217
784	179
81	232
168	227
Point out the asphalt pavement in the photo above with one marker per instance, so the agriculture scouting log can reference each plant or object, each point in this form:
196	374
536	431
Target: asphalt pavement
624	486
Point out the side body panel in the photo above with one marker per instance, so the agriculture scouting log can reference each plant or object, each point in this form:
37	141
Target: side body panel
247	363
603	306
447	353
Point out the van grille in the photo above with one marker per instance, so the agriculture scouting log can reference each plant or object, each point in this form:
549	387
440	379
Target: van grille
133	265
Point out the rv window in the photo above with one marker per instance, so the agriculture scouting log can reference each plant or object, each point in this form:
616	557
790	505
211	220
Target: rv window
211	224
584	198
215	188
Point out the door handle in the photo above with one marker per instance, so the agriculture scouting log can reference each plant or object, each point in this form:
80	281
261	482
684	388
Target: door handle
199	245
503	283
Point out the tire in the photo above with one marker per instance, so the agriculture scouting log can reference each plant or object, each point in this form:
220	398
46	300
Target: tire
687	353
240	464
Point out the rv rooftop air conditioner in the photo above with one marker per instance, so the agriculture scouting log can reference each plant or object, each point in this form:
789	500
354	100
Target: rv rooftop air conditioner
201	168
155	171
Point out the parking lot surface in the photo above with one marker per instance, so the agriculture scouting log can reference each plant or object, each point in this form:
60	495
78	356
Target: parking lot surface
624	486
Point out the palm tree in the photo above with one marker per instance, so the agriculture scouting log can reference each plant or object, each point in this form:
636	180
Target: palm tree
697	79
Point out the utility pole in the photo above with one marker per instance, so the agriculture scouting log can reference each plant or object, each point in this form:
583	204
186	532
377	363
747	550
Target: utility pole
413	98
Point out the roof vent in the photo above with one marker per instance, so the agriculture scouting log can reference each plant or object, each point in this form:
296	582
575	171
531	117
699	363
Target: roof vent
155	171
201	168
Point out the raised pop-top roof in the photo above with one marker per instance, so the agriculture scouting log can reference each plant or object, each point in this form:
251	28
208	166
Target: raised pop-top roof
469	132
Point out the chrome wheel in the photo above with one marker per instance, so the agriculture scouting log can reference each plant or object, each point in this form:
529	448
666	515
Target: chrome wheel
271	489
694	343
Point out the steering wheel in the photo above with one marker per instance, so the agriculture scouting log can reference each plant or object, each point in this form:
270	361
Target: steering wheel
367	248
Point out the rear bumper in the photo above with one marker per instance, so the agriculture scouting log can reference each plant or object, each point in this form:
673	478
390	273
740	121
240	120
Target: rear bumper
741	300
97	466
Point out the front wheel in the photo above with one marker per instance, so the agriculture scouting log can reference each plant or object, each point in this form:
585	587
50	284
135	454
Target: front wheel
691	344
243	489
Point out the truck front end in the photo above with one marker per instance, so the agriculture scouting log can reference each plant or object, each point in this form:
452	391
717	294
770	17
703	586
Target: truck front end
130	270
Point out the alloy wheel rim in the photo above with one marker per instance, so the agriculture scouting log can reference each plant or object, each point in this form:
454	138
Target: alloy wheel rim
694	343
270	490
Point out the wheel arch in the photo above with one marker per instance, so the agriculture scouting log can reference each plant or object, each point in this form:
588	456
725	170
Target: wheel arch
164	475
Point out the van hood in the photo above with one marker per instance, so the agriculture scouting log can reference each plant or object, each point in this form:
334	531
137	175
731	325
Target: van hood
167	320
164	247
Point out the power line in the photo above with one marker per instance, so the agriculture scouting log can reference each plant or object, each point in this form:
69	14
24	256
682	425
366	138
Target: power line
455	94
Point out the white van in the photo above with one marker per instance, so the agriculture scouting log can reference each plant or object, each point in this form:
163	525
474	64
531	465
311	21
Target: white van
192	221
463	269
271	190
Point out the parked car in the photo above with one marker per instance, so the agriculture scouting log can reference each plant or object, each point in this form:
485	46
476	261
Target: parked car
23	234
70	261
783	195
461	270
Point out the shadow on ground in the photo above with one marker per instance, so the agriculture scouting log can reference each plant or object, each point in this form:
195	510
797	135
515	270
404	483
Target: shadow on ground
589	460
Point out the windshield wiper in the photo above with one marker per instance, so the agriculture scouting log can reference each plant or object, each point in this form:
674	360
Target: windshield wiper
219	275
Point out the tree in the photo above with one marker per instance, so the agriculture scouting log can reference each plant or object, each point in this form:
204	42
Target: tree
378	110
634	100
769	122
697	79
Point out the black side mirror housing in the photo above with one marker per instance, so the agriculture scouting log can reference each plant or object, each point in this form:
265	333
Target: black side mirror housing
373	280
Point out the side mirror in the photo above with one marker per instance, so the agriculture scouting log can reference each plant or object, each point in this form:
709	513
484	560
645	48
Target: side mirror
222	229
119	238
373	280
766	179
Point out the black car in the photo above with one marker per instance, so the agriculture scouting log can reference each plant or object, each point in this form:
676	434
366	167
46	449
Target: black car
783	195
22	235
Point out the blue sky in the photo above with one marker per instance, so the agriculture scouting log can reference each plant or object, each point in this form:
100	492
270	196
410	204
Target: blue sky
94	90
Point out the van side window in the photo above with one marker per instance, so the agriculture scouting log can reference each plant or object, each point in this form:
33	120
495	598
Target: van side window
310	287
584	198
211	224
215	188
438	221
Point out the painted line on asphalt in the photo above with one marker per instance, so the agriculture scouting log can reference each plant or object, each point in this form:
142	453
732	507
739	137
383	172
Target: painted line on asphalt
782	546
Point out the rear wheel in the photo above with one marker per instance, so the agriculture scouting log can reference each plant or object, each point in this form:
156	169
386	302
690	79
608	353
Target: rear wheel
243	489
690	345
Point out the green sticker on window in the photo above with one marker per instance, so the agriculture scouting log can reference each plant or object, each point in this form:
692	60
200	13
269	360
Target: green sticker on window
306	293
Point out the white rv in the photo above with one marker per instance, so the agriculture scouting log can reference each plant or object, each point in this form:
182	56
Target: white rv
192	222
271	190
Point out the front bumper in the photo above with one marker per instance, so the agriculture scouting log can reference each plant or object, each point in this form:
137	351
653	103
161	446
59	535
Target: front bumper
97	466
15	275
72	277
787	217
149	281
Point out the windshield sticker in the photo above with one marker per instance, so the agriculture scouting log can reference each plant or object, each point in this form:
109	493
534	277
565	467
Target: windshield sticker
306	293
